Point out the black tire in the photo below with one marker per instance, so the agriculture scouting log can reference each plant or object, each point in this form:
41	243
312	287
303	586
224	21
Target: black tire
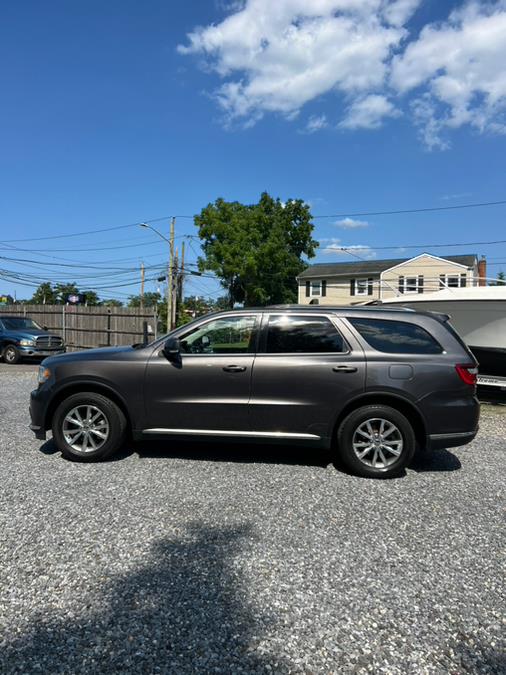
11	355
368	467
115	419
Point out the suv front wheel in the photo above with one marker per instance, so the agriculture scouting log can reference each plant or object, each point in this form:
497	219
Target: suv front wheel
88	427
376	441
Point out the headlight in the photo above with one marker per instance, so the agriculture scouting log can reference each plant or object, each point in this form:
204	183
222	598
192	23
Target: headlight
44	374
27	343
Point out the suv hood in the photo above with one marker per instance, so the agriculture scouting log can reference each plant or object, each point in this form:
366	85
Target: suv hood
100	354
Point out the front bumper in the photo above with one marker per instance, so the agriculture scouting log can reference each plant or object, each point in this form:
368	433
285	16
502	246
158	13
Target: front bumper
33	351
38	407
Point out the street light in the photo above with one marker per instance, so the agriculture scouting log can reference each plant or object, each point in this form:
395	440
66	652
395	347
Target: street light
170	264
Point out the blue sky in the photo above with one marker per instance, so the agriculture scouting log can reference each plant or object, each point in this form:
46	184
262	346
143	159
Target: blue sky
114	113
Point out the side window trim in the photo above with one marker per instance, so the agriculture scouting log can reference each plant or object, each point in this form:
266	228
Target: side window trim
253	352
262	346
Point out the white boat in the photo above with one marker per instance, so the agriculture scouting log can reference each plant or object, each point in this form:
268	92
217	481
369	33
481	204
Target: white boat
478	314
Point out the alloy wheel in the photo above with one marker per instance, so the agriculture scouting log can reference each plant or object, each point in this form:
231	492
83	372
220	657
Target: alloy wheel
85	428
377	443
9	355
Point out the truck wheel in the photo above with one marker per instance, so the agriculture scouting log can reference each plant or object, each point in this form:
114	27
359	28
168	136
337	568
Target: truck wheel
88	427
11	355
376	441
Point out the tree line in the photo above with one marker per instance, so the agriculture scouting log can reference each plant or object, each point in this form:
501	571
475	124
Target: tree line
255	251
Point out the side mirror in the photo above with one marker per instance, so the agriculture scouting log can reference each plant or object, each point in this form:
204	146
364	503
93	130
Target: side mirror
172	348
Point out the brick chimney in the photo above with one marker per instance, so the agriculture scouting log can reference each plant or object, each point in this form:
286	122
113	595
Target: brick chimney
482	271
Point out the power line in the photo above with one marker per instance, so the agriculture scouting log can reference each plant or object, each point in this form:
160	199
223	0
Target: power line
347	249
419	210
105	248
332	215
103	229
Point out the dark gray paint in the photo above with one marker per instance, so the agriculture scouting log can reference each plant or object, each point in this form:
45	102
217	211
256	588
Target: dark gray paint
296	394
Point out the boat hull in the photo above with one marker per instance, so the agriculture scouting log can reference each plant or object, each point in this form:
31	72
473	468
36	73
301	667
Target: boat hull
480	323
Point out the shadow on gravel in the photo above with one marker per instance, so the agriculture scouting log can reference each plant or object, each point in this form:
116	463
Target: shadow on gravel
48	448
232	451
475	658
435	461
246	453
185	610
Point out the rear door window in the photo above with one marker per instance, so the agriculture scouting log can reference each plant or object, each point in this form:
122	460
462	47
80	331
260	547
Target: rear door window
289	334
396	337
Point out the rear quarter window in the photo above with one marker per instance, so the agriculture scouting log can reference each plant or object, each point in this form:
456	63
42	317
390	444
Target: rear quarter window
396	337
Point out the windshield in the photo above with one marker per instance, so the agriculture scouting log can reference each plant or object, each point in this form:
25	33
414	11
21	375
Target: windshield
19	323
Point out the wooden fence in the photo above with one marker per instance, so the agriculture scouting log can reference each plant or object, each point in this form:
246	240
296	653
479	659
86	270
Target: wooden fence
86	327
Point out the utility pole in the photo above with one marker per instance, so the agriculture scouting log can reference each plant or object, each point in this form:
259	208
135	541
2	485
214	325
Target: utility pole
181	277
170	271
142	285
175	286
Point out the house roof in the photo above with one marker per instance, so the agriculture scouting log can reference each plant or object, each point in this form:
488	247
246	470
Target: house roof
363	267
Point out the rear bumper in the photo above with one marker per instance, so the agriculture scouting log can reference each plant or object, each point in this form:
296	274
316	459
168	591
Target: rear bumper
440	441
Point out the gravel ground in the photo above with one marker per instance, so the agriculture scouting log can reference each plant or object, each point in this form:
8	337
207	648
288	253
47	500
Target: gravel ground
181	558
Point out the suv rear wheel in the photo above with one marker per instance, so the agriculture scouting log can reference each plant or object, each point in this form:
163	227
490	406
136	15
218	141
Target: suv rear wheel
376	441
88	427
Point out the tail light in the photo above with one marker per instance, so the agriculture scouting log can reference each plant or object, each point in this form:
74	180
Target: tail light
467	372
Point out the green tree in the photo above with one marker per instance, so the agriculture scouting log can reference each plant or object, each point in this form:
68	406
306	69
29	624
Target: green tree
501	279
61	290
256	250
112	302
92	298
150	300
44	295
220	303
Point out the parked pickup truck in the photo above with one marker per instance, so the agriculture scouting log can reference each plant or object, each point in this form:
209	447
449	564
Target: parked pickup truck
22	337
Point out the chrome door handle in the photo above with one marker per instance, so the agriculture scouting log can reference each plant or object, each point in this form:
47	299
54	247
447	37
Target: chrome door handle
234	369
344	369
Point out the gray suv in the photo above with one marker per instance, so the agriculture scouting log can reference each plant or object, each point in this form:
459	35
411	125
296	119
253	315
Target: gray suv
370	384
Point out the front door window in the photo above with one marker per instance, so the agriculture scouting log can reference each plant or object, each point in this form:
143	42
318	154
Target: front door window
226	335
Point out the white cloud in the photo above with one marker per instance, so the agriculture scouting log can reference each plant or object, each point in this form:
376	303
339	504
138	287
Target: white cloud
353	252
351	223
460	66
316	123
397	13
277	56
274	56
368	113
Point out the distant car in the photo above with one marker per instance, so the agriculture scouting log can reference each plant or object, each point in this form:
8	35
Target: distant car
22	337
371	384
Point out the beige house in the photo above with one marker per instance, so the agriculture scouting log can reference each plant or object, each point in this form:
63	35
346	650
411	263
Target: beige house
345	283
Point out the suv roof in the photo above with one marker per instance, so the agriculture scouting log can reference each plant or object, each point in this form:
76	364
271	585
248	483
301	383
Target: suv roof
340	308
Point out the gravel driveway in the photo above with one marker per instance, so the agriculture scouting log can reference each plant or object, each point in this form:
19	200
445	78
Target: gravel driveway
180	558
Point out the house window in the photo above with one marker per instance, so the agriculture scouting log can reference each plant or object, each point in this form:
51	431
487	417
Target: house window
361	287
452	280
316	288
411	284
